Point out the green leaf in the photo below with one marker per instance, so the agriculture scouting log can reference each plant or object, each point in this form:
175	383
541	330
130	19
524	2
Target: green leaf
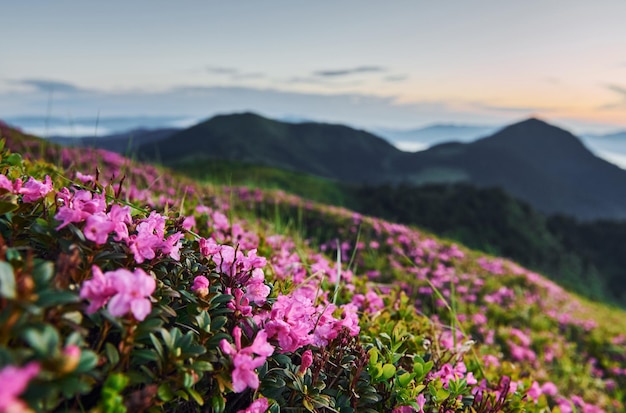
405	379
218	322
7	281
144	355
157	346
51	298
218	403
6	207
14	159
204	321
88	361
45	341
389	370
202	366
165	392
221	299
43	273
373	353
112	354
442	394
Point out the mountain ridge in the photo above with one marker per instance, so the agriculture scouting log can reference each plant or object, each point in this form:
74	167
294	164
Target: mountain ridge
532	160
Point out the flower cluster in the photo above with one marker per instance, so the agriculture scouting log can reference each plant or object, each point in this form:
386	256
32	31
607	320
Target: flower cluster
124	291
33	190
244	359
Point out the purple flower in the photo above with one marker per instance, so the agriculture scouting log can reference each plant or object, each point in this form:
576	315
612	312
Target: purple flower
133	290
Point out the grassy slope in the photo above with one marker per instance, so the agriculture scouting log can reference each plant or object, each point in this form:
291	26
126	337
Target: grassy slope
518	305
574	254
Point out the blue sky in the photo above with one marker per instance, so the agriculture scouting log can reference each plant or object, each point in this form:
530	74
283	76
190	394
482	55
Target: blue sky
367	63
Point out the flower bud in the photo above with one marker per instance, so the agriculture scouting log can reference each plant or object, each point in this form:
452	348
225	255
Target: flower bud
70	357
307	360
200	286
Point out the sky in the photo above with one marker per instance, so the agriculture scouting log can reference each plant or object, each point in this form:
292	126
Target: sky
370	64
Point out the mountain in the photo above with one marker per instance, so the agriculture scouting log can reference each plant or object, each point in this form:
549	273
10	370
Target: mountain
326	150
539	163
118	142
422	138
546	166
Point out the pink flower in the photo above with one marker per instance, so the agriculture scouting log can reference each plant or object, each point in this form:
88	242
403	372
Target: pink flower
34	190
256	290
421	400
243	375
171	246
549	388
200	285
258	406
208	247
98	290
5	183
132	289
14	381
120	217
350	319
307	360
403	409
84	178
78	206
189	222
534	392
98	227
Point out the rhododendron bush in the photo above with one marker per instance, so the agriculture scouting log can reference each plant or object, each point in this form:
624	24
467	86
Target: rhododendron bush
125	288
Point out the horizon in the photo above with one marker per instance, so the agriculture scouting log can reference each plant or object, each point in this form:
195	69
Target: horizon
486	63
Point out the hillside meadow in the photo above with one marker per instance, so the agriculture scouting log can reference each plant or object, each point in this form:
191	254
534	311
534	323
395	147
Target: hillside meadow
126	287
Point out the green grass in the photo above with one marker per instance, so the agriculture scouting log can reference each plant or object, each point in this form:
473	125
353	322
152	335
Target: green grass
223	172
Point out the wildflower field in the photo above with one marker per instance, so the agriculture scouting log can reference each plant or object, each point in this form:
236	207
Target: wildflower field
125	287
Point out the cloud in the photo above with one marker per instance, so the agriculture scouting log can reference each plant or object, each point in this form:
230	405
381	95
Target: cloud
45	85
234	73
511	109
218	70
199	102
617	89
395	78
244	76
349	71
620	90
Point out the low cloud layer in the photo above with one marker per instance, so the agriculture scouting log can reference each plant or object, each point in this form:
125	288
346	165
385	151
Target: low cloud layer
349	71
